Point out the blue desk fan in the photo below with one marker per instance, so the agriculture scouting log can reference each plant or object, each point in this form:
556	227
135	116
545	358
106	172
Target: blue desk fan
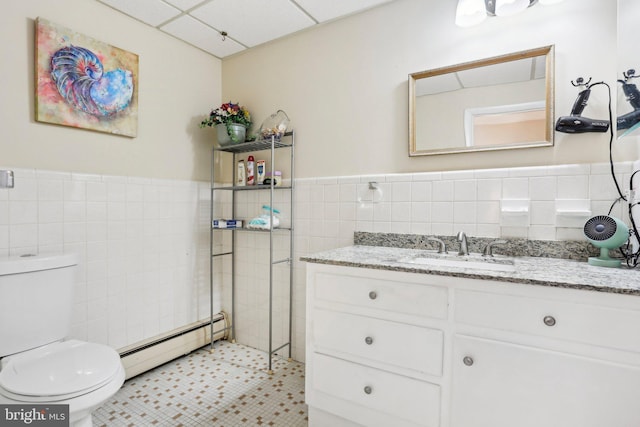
606	233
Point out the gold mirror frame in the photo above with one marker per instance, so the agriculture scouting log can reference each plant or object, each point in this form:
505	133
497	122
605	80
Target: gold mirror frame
546	51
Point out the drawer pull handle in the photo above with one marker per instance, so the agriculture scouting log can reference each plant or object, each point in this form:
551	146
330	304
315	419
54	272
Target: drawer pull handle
549	320
373	295
467	360
368	390
368	340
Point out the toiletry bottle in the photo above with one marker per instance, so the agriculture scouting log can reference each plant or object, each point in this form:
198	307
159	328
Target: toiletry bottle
275	176
260	171
251	179
240	177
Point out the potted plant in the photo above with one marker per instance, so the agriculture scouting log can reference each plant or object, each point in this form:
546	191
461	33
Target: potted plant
231	122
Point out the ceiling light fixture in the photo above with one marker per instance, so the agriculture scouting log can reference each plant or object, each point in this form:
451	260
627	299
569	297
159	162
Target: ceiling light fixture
510	7
473	12
470	12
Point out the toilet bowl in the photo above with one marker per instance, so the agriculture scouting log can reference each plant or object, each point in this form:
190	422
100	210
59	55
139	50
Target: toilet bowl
79	374
37	366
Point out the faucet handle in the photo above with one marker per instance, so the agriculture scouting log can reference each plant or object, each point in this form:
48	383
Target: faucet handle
488	250
442	248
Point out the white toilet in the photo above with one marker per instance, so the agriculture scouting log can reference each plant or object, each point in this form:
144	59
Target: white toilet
36	364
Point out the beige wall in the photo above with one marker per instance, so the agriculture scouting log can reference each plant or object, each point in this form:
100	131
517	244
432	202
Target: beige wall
178	85
344	84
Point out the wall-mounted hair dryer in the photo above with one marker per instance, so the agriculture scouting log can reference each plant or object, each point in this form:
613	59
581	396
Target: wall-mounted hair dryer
575	123
629	120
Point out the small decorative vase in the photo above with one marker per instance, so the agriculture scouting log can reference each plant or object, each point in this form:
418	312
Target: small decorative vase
234	133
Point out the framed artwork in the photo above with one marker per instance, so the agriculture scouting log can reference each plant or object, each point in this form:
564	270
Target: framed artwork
84	83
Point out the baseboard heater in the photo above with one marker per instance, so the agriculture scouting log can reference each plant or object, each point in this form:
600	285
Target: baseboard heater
151	353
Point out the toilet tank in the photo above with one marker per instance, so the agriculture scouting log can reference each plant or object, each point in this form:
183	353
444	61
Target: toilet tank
36	296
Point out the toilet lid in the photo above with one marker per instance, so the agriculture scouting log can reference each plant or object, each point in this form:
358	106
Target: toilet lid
69	367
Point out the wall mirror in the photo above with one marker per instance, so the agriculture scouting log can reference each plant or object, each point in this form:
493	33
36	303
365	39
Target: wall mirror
498	103
628	78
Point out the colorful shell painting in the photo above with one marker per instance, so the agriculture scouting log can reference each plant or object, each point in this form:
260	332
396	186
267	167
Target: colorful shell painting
84	83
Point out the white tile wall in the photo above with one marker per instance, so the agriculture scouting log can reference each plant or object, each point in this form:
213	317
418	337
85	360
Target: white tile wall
444	203
143	247
144	243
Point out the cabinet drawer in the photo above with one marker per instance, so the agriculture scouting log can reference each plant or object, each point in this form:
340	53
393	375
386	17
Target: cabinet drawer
383	295
405	346
400	397
589	324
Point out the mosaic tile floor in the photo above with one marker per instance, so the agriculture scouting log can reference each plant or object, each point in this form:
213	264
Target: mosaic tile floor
228	388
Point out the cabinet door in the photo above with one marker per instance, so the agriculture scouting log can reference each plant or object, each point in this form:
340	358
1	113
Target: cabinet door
499	384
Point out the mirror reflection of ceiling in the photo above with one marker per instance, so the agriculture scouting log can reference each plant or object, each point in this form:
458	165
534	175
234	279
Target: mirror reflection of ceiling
497	103
509	72
247	23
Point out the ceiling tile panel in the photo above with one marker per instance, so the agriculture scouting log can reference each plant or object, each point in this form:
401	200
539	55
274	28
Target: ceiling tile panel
206	38
152	12
325	10
507	72
253	22
247	22
437	84
184	4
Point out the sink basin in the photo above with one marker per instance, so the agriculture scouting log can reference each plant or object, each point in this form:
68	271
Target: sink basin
476	262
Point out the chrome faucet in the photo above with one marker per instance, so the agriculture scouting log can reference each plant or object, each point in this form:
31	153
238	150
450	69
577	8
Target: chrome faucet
442	248
488	250
462	238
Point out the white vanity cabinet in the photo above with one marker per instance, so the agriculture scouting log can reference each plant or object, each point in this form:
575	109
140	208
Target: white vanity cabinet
408	349
375	348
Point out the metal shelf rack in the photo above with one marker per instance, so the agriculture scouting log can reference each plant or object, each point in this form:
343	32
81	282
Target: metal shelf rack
271	144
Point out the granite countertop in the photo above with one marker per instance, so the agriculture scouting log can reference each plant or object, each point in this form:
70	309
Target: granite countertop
540	271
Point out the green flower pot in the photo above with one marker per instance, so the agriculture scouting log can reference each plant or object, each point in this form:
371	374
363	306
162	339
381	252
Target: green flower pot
233	133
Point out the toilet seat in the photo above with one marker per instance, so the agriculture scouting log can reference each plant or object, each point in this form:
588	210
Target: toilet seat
58	371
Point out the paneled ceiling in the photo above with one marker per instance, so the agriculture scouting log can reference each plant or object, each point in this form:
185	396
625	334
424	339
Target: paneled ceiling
508	72
247	23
